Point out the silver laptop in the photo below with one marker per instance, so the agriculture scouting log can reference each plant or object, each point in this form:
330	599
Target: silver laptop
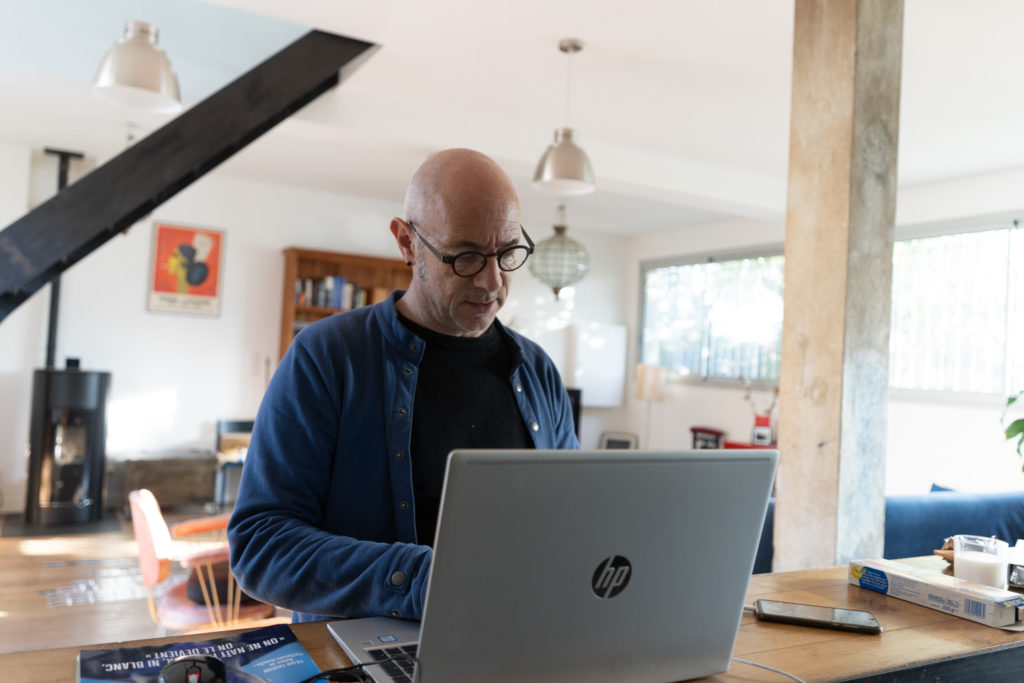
581	566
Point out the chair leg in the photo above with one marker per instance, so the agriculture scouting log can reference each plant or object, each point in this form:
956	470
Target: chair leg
214	617
216	595
234	599
152	606
161	630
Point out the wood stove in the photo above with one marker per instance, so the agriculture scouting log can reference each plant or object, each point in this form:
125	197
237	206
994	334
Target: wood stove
67	446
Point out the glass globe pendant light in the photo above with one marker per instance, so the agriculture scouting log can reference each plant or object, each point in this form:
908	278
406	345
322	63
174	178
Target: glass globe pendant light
559	261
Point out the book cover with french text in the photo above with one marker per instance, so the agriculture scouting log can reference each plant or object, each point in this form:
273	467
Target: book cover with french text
267	655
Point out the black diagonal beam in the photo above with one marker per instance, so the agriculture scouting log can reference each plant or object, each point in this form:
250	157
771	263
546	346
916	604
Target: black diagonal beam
54	236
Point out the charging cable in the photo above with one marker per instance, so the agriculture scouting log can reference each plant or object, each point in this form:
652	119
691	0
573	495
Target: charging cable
750	608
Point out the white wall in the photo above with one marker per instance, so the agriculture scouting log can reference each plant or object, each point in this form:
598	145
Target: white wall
688	405
957	444
952	441
22	340
174	375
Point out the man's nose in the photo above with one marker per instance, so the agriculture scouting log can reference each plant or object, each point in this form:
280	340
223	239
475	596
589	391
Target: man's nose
490	277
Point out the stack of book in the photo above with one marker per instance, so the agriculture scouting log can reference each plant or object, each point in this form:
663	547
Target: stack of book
336	292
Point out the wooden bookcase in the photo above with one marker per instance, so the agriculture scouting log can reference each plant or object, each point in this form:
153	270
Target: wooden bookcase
376	276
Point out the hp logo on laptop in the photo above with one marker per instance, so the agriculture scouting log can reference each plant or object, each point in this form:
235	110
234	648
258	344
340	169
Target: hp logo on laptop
611	576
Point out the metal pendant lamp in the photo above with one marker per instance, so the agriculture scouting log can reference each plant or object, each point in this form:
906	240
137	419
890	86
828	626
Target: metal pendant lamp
564	168
137	73
559	261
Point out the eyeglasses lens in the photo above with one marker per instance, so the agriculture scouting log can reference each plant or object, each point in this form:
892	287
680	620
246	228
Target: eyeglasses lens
469	264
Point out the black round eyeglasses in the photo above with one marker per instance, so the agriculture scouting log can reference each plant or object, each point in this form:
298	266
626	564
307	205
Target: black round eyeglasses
469	263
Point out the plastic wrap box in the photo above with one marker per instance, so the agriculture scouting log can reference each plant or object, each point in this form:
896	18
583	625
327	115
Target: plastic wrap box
986	605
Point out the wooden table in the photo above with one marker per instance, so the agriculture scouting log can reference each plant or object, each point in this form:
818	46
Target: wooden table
918	643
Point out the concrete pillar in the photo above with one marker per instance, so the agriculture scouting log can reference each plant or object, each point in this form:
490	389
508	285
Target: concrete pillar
841	207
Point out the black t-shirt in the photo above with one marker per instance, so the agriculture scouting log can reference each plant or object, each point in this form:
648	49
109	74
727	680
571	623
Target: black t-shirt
463	400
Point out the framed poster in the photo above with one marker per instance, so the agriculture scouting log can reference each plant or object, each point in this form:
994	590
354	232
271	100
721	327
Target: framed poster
185	272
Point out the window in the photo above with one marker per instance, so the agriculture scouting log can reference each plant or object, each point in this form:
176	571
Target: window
955	322
957	315
714	319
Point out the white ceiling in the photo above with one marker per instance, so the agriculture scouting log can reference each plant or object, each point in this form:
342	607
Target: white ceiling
682	105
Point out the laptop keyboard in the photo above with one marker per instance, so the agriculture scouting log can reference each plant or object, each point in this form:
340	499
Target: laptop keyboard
400	670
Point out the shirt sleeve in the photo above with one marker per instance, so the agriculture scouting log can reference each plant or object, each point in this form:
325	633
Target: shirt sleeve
280	552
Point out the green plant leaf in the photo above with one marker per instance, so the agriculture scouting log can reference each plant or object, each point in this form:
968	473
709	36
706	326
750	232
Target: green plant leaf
1016	428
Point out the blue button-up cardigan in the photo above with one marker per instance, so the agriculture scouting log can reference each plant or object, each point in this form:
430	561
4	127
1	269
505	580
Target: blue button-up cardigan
324	522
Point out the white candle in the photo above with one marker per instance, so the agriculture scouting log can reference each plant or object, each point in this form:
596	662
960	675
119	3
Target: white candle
985	568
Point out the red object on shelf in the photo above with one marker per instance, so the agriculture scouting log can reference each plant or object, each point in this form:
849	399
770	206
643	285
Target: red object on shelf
762	420
740	444
706	437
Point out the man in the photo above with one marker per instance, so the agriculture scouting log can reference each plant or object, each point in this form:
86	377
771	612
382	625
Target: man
340	491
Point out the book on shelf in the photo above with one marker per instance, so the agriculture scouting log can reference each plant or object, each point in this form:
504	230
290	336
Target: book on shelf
346	295
358	297
327	292
272	654
336	292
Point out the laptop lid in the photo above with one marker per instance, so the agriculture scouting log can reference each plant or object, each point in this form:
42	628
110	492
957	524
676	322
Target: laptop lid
592	565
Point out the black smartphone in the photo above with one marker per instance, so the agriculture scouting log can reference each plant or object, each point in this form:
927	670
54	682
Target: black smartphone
815	615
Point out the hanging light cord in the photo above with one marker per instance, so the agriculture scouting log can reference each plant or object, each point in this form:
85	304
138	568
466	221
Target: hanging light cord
569	46
568	88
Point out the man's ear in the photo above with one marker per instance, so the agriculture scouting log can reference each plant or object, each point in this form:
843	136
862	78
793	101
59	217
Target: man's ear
404	237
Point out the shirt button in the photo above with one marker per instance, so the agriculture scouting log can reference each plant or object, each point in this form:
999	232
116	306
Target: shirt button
398	578
412	347
394	613
402	411
404	505
534	426
399	455
407	370
518	386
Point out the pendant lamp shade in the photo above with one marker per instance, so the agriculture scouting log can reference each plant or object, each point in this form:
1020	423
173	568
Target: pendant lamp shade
564	168
137	73
559	261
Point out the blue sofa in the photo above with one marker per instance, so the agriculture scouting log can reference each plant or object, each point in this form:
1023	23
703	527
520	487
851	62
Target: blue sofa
917	525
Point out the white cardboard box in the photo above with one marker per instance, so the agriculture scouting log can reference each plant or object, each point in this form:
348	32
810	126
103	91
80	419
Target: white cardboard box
974	601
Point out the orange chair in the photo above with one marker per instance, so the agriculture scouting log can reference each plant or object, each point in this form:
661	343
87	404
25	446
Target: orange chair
198	544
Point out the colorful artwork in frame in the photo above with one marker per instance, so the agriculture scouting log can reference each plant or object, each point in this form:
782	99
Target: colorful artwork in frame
185	276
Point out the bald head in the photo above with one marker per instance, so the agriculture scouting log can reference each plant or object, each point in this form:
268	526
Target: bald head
458	201
459	185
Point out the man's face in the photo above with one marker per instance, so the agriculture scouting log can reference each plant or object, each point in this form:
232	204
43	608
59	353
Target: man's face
463	306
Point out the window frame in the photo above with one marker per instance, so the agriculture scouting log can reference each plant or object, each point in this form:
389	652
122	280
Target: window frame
965	226
1002	221
646	265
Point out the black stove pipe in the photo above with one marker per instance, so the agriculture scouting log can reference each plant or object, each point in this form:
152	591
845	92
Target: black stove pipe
65	158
